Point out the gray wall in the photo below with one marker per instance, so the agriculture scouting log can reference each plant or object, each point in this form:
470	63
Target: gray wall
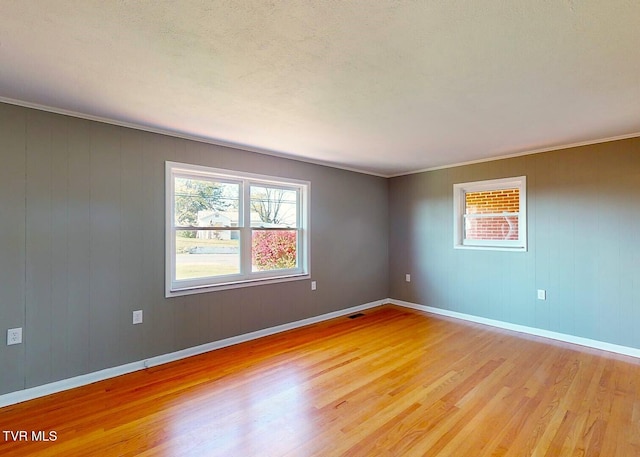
82	246
584	248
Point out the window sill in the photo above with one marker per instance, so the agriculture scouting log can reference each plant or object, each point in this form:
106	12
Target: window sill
491	248
235	285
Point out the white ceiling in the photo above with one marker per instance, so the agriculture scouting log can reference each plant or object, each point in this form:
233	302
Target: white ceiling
382	86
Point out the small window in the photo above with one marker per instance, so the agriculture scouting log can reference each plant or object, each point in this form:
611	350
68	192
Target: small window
229	229
491	214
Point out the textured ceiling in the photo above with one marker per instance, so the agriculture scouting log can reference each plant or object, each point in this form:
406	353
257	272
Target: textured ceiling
382	86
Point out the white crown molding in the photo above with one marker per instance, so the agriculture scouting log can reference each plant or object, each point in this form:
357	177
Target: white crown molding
520	154
184	136
282	155
89	378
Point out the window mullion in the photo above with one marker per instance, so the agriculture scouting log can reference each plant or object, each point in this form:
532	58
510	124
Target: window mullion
487	215
299	240
245	237
211	261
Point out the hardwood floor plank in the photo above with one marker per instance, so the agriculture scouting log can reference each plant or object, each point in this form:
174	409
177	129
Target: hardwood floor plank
394	382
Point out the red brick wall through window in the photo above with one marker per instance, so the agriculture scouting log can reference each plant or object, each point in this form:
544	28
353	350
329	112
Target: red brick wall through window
499	226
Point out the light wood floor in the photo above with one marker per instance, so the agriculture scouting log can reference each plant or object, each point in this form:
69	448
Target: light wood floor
393	383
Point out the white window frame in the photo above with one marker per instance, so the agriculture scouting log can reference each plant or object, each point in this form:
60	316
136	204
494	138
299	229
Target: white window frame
246	277
459	191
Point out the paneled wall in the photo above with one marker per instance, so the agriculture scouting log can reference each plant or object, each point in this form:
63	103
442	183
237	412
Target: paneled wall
82	246
584	249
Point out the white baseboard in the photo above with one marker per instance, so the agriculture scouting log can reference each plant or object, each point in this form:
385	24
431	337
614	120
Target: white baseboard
89	378
618	349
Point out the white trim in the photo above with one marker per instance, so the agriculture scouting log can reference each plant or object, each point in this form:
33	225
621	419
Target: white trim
459	191
284	155
587	342
89	378
186	136
492	184
237	284
558	147
476	247
245	277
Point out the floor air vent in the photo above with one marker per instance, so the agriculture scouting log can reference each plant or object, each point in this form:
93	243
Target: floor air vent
353	316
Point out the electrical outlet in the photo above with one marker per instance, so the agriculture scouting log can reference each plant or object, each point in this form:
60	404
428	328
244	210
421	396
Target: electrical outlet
14	336
313	285
407	277
542	294
137	317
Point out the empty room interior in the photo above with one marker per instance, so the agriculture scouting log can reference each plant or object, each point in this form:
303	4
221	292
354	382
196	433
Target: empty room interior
320	228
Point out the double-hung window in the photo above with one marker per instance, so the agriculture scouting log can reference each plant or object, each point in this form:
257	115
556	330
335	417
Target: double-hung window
491	214
230	229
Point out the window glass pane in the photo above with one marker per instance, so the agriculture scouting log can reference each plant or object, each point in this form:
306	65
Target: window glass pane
273	207
228	229
491	228
274	249
491	214
492	201
207	253
204	203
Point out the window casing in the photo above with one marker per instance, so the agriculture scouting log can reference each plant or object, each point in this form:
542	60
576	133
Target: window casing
228	229
491	214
